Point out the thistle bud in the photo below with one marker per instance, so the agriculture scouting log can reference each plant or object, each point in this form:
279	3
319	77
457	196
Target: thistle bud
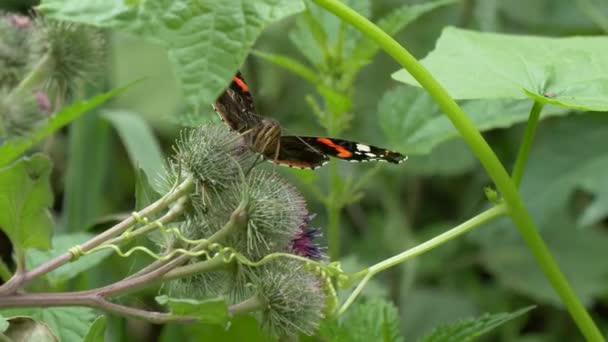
292	298
72	55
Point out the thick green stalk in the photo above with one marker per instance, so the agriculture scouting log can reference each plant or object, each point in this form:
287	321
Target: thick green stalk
486	156
526	143
334	207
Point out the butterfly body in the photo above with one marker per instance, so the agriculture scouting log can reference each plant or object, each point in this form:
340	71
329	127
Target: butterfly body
263	135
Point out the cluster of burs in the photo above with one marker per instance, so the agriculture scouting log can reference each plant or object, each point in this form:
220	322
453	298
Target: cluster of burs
42	65
289	296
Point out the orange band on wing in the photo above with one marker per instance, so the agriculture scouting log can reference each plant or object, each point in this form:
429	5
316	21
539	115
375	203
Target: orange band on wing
241	84
342	152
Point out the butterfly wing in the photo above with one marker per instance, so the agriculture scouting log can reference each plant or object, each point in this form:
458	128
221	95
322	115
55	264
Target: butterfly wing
235	106
350	150
294	152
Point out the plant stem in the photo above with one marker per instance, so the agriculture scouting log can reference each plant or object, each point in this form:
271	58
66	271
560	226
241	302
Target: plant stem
486	216
19	280
35	77
91	300
368	273
486	156
526	143
248	305
214	264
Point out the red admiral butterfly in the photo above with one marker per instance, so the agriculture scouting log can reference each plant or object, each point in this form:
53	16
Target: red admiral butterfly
263	135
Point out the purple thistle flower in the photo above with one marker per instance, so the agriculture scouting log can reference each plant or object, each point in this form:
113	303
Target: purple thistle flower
304	241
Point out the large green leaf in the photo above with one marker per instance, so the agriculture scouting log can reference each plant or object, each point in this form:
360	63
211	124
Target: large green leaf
12	149
413	124
25	196
569	155
207	40
392	23
211	311
68	324
141	144
470	329
568	72
372	320
61	244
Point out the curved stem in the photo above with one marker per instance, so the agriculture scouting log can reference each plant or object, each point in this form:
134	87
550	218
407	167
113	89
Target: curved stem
426	246
486	156
526	143
440	239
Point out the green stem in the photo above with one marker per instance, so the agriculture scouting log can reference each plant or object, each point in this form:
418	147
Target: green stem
486	156
247	306
526	143
35	77
440	239
424	247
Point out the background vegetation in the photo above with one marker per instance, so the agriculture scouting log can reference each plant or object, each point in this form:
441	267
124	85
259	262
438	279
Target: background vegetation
319	77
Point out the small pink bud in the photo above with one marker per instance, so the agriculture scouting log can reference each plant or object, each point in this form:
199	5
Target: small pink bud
20	21
43	101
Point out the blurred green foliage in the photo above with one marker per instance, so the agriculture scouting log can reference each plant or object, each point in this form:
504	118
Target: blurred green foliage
317	77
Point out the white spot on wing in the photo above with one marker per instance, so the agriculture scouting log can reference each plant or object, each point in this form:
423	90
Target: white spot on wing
371	155
363	148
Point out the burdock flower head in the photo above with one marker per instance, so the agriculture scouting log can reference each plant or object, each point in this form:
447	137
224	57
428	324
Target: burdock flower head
287	296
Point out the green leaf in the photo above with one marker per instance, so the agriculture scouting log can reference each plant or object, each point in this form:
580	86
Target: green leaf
144	193
211	311
447	159
568	156
413	124
373	320
206	40
392	23
27	329
470	329
3	324
241	328
12	149
25	196
61	244
69	324
419	309
290	64
89	162
567	72
598	209
141	144
97	330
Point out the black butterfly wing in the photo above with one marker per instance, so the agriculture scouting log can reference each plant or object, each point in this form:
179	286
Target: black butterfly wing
350	150
295	152
235	106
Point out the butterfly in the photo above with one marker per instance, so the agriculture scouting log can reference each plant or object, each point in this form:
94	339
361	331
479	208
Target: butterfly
263	135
